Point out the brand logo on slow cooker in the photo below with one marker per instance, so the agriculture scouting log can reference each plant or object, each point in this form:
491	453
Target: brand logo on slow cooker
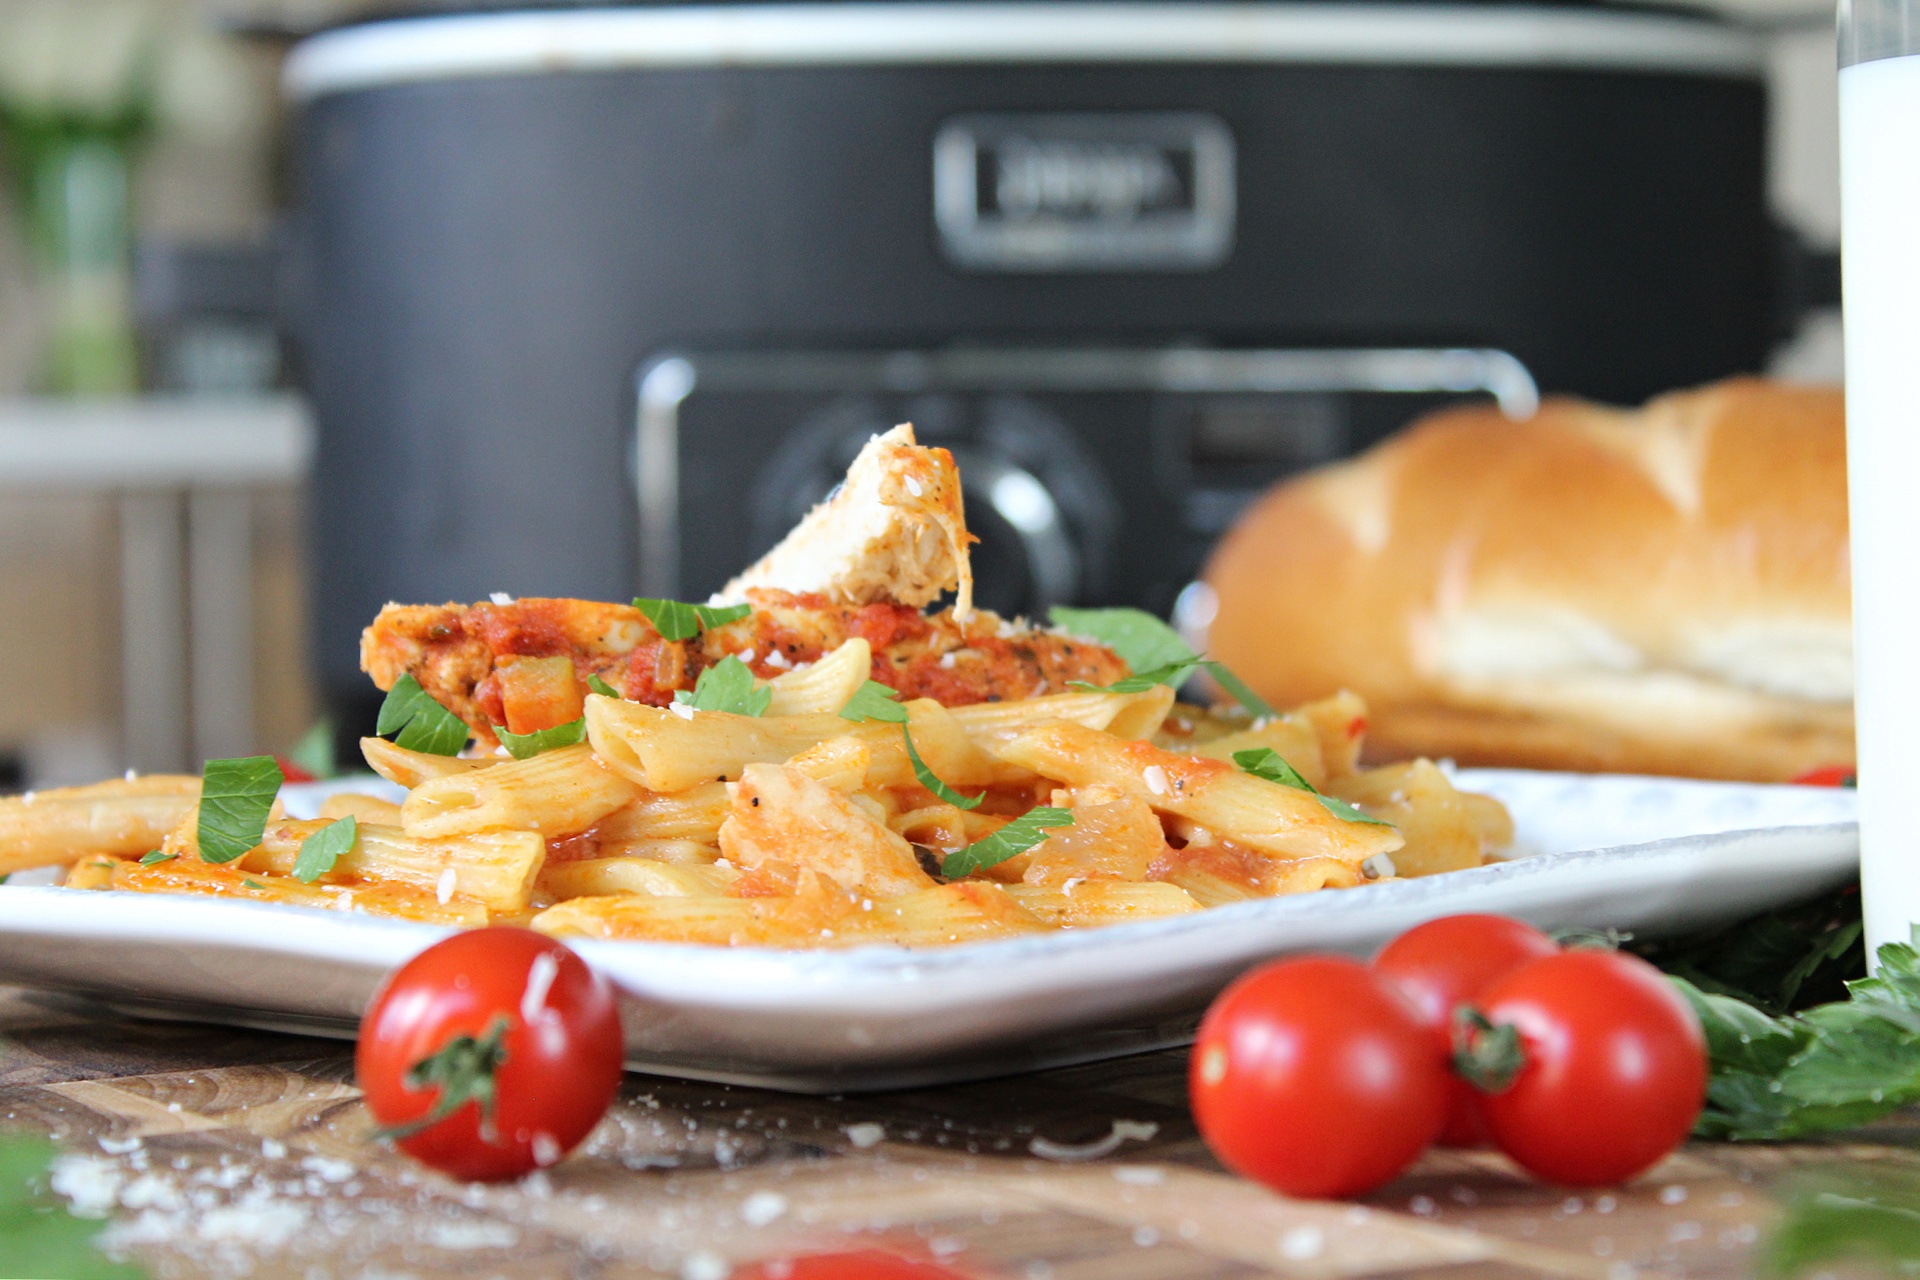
1058	192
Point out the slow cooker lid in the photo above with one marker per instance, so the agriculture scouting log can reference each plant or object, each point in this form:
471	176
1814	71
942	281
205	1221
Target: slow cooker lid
546	41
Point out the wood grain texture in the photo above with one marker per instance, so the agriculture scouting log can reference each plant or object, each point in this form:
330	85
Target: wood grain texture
230	1153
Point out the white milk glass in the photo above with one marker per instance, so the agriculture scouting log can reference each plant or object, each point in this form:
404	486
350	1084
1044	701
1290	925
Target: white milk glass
1880	241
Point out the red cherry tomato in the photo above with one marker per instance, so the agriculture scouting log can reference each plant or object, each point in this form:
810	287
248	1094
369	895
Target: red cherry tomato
858	1264
1833	775
1615	1070
1317	1078
1446	963
504	1035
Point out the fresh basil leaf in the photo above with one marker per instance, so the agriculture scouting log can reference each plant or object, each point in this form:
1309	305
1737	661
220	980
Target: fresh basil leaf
932	783
677	621
874	701
1018	836
319	851
727	685
1265	762
673	620
525	746
602	688
156	857
1151	649
712	616
1144	642
421	722
40	1236
235	798
1237	690
1174	674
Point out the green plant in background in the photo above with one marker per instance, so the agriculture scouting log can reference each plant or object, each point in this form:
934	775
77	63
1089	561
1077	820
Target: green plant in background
85	86
76	100
39	1238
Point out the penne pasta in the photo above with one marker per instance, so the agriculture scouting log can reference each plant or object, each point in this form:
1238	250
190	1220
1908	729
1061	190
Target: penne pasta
411	768
840	763
664	751
596	877
965	911
494	868
555	793
693	814
1125	715
686	853
1290	736
824	687
1098	902
348	804
1444	832
117	819
818	913
1263	815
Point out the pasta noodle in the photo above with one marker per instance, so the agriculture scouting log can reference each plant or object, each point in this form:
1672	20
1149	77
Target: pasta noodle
802	828
50	828
555	793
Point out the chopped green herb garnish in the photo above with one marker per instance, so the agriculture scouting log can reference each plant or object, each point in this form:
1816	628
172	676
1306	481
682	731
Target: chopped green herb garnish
677	621
1016	837
727	685
525	746
874	701
932	782
1265	762
319	851
1173	674
421	723
602	688
156	857
1237	690
235	798
1153	650
253	884
1144	642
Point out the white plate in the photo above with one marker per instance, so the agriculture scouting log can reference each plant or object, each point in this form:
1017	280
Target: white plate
1643	854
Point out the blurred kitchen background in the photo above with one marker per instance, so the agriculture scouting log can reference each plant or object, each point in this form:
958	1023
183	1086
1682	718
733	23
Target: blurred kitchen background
159	529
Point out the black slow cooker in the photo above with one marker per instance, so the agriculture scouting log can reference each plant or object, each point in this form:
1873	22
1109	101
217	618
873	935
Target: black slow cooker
594	301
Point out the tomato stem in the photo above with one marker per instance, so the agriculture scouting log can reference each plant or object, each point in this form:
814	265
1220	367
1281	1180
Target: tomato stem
1486	1055
466	1070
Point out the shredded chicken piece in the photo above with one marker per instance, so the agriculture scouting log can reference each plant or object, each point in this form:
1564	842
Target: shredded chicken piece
895	531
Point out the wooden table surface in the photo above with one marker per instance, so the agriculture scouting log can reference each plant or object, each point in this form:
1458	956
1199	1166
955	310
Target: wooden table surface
241	1153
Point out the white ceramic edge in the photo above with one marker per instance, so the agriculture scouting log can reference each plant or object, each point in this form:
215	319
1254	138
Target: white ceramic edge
415	50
